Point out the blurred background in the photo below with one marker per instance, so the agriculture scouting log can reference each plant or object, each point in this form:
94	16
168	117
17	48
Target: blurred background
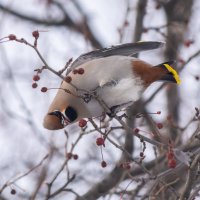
67	29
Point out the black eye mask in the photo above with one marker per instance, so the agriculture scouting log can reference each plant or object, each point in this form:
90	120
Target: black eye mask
57	114
71	113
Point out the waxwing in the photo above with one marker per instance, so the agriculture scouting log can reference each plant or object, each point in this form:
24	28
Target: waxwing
113	75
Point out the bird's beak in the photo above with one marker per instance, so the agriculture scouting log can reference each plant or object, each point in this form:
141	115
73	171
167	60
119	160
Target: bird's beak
52	121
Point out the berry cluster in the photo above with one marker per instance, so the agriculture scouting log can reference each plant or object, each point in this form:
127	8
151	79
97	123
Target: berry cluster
80	71
36	78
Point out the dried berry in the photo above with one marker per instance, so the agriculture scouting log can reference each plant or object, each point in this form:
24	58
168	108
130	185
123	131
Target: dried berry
13	191
35	34
158	112
136	130
68	79
100	141
34	85
159	125
103	164
75	156
36	78
82	123
12	37
44	89
81	71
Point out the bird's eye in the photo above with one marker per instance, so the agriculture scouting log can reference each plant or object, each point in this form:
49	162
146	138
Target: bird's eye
71	113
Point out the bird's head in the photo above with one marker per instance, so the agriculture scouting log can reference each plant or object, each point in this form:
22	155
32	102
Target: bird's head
59	119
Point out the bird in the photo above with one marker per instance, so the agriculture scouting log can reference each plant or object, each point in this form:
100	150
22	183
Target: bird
114	75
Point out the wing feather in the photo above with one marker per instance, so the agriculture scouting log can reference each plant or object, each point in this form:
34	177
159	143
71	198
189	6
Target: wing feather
128	49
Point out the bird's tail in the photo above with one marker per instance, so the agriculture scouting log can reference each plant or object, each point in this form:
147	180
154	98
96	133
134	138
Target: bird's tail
171	75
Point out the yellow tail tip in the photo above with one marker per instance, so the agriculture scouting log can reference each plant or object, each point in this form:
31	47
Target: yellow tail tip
174	72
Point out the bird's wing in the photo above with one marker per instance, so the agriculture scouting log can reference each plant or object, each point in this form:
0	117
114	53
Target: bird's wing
128	49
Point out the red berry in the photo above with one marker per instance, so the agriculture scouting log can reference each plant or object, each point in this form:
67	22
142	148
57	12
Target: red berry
35	34
103	164
34	85
75	71
158	112
36	78
136	130
75	156
68	79
100	141
12	37
13	191
44	89
172	163
82	123
69	155
81	71
160	125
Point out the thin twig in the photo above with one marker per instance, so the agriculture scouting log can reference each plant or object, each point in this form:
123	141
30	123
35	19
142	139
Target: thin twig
8	183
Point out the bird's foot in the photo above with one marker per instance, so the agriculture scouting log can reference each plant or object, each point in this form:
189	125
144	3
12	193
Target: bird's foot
117	108
87	97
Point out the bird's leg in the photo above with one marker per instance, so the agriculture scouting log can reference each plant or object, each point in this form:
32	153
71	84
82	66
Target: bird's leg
87	97
90	94
115	109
